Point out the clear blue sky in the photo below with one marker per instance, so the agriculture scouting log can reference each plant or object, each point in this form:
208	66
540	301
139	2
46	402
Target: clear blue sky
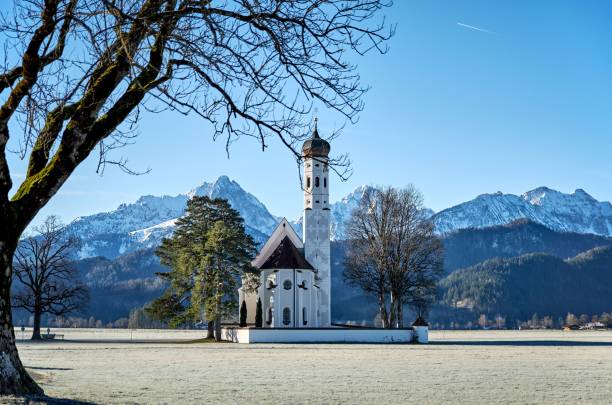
520	98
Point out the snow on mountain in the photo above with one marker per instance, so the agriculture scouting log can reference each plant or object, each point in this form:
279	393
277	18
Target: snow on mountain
340	213
576	212
144	223
147	221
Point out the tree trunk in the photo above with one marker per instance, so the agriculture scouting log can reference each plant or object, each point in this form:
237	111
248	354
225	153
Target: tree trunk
36	329
15	379
218	328
210	334
382	310
399	314
393	311
218	319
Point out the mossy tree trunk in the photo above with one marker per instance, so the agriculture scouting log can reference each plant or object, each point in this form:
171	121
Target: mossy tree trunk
14	379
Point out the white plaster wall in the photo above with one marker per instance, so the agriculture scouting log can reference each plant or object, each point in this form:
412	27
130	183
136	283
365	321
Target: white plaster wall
422	333
306	335
316	232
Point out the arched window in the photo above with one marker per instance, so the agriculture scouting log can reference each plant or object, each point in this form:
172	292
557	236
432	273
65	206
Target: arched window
307	182
304	320
324	181
269	316
286	316
317	181
287	285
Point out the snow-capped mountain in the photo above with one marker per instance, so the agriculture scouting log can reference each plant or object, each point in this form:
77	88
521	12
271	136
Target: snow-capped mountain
340	213
145	222
576	212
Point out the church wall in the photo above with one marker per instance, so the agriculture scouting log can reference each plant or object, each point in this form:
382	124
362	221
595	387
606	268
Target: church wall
318	335
282	298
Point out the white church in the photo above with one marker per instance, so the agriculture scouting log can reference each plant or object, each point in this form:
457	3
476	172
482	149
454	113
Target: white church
295	279
295	273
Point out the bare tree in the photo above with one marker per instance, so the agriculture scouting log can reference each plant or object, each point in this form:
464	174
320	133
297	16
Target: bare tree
416	256
48	280
77	74
393	252
369	231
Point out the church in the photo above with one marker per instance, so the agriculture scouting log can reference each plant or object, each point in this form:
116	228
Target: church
294	286
295	273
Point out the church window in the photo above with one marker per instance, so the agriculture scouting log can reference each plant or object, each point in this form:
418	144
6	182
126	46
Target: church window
287	285
324	181
269	316
308	182
286	316
317	181
304	320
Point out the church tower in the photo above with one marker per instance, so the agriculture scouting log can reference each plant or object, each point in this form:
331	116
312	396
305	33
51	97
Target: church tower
315	152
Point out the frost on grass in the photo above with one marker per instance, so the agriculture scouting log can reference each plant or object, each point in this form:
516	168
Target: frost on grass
470	367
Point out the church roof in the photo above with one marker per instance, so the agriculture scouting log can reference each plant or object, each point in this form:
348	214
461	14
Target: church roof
286	256
420	322
315	146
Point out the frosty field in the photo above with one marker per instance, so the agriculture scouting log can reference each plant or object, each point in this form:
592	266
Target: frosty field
458	367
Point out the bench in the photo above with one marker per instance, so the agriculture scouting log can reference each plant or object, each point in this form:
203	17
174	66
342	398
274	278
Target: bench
52	336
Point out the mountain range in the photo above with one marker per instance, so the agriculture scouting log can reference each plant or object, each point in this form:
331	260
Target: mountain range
117	255
576	212
145	222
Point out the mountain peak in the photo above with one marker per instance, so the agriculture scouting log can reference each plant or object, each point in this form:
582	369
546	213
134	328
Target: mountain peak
576	212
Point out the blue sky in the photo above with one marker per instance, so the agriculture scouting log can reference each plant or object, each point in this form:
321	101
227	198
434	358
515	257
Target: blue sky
473	97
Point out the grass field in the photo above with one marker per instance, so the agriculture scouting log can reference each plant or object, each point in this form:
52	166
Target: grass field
457	367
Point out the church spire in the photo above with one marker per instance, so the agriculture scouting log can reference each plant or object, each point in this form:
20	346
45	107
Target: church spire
315	131
315	145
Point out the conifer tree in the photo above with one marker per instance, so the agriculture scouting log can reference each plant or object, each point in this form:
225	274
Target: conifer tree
207	254
243	314
259	314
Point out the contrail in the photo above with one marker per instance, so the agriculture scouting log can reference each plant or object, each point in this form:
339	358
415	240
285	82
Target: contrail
474	28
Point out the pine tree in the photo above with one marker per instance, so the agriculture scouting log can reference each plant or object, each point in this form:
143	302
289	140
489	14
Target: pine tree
208	252
259	314
243	314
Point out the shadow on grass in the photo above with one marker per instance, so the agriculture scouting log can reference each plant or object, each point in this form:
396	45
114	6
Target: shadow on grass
45	400
50	368
525	343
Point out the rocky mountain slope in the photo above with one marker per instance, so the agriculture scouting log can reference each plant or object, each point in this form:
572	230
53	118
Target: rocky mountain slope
144	223
576	212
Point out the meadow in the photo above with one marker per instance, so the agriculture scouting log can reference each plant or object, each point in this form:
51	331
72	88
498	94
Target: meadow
103	366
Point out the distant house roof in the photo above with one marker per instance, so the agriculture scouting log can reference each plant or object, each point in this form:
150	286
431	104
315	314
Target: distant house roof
286	256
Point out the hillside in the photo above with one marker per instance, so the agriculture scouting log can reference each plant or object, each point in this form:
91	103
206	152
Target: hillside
467	247
534	283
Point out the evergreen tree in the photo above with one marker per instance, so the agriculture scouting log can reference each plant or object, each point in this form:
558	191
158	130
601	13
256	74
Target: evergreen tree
207	254
259	314
243	314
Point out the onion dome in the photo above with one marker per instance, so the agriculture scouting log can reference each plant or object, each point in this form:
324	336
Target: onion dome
315	146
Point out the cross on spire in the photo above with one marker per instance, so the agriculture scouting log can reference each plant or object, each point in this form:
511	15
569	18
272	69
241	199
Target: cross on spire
315	131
